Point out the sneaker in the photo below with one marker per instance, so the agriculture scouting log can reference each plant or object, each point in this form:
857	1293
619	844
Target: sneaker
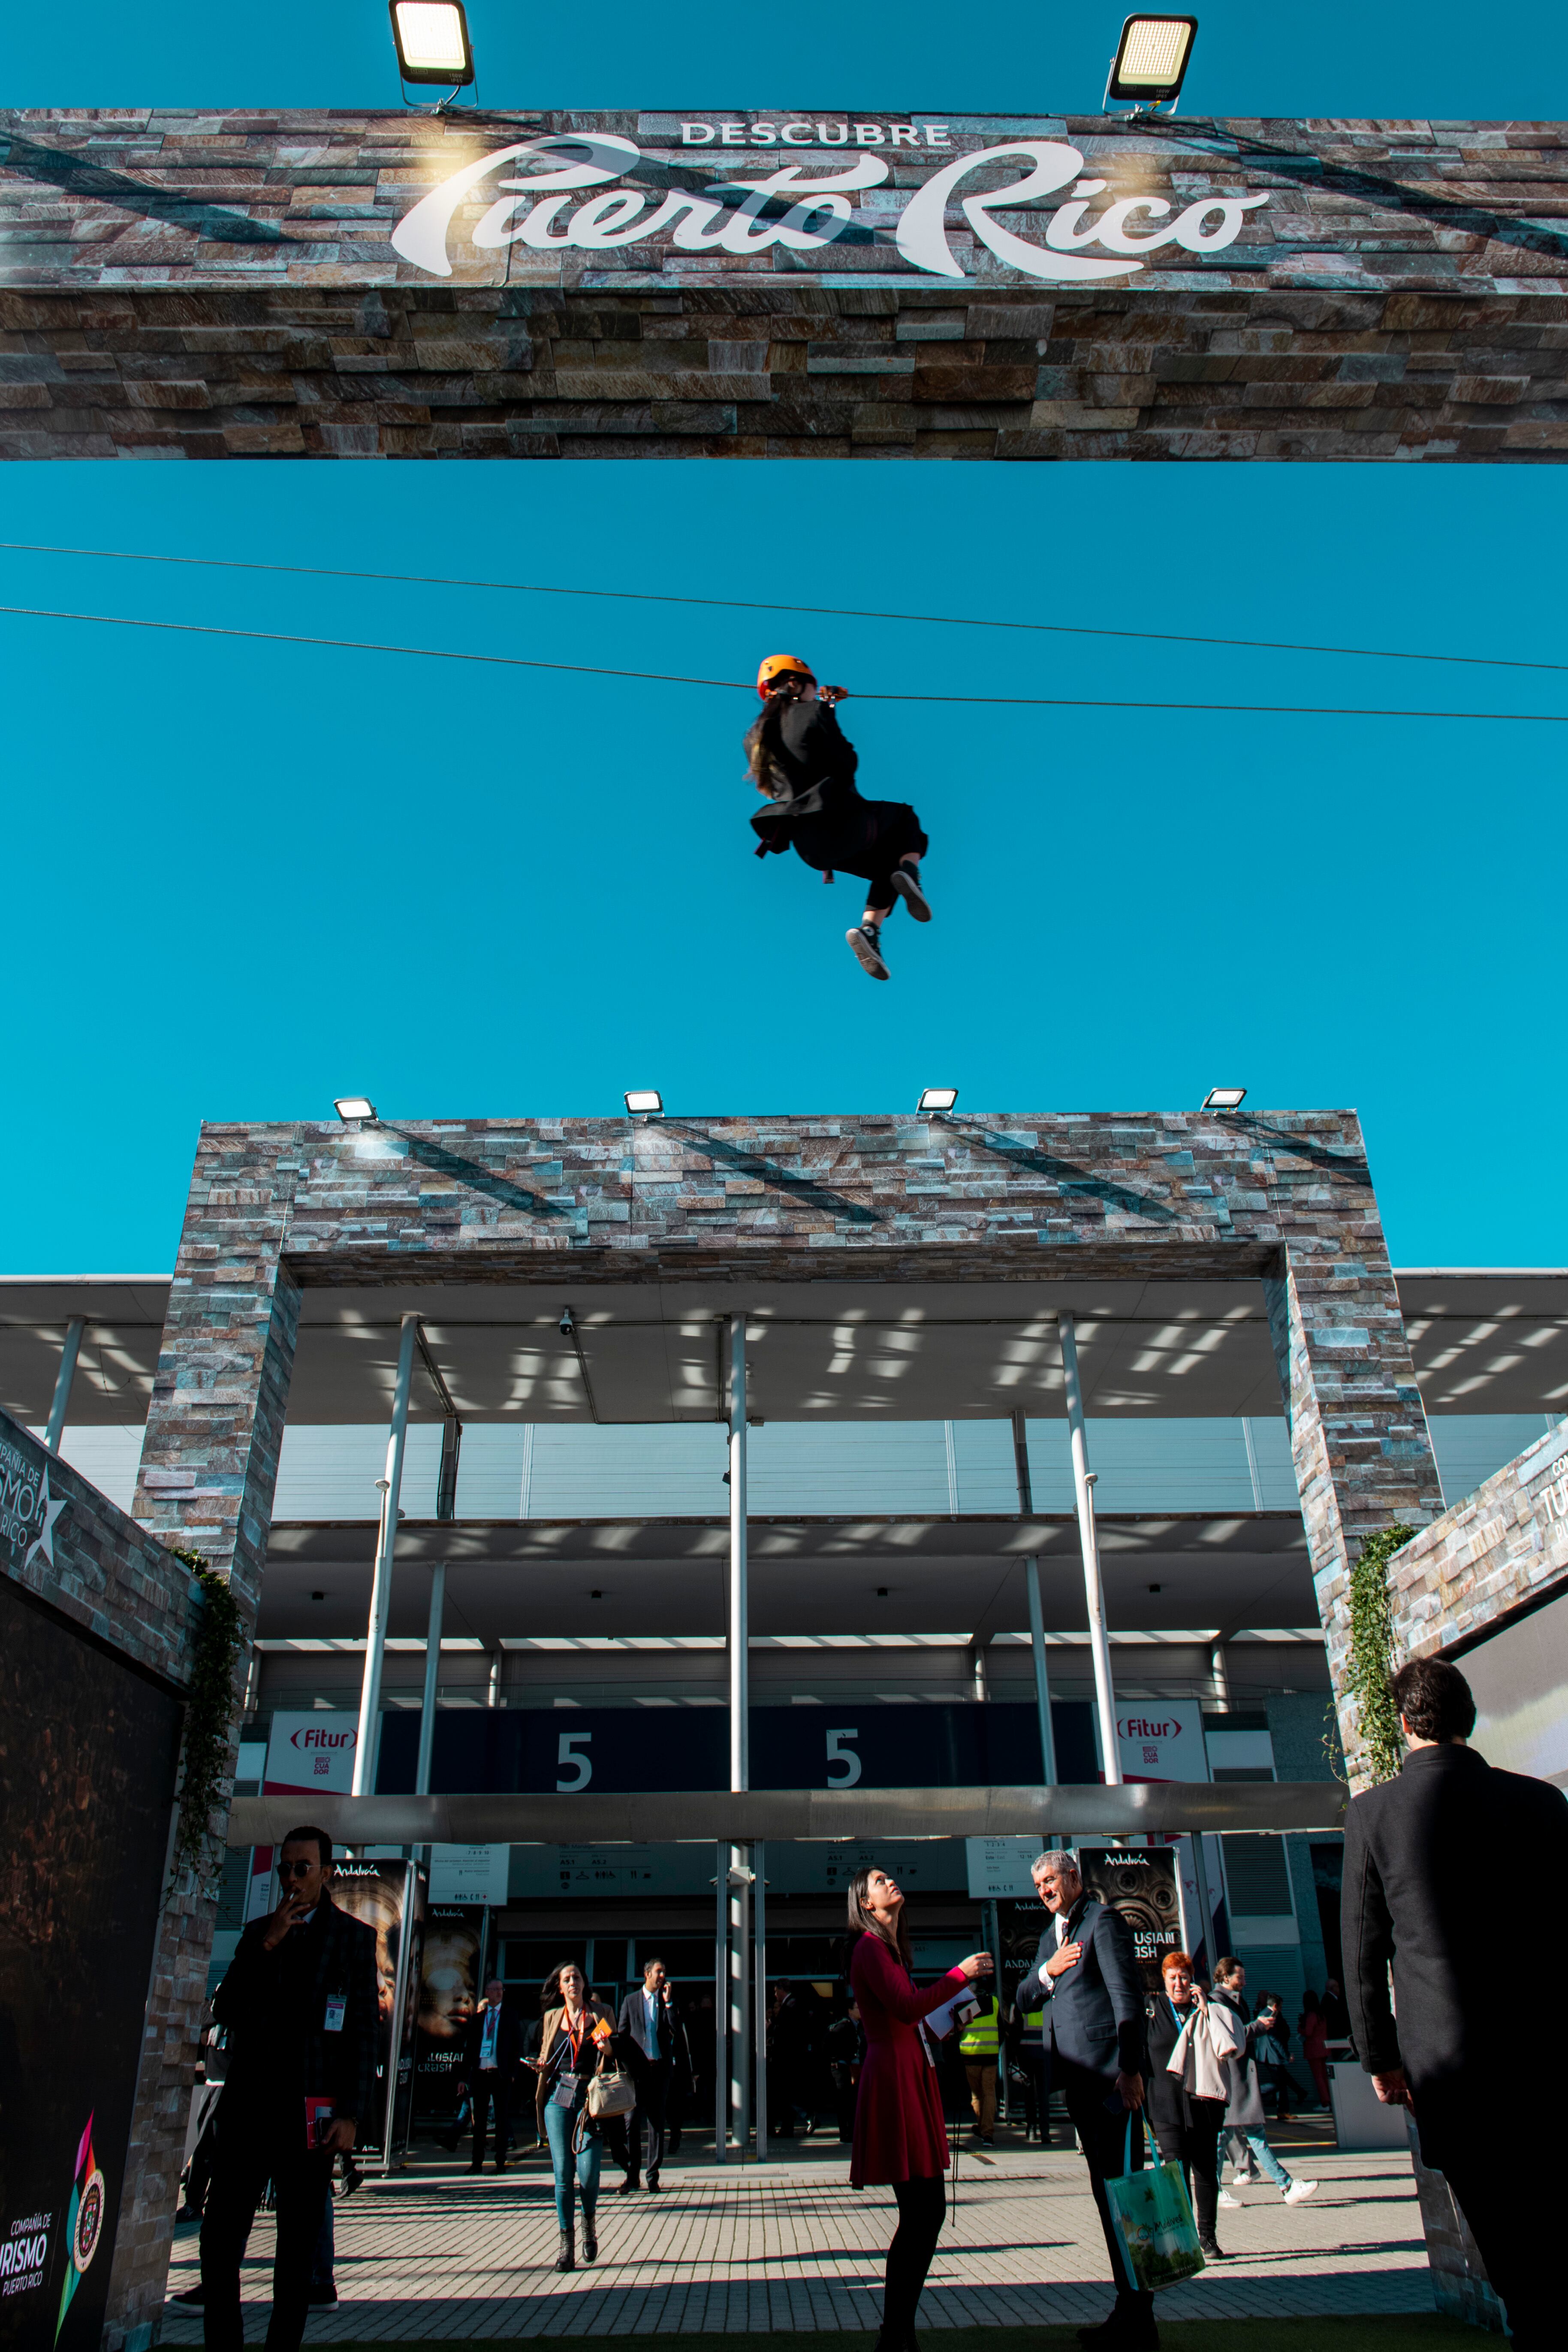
1298	2191
866	945
1225	2198
906	881
1211	2250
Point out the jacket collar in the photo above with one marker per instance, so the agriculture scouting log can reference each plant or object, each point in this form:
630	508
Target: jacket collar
1449	1756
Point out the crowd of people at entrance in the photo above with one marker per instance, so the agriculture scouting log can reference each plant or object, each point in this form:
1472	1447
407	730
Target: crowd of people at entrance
1177	2074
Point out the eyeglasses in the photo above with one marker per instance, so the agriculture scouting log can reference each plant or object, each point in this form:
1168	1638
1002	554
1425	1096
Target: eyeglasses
296	1869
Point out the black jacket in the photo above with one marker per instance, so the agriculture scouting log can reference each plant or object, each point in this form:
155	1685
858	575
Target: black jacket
1458	1876
1094	2010
508	2048
276	2006
811	768
631	2029
1171	2108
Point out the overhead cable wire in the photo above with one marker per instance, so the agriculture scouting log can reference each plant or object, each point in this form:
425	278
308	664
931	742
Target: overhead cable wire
738	685
809	612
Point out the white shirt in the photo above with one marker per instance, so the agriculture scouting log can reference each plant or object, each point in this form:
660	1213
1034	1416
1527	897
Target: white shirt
650	2007
488	2039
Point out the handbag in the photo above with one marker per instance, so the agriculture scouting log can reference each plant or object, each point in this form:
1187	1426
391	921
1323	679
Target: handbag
1154	2221
611	2092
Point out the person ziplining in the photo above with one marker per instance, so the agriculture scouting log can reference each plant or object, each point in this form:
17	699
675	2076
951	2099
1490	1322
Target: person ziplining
802	763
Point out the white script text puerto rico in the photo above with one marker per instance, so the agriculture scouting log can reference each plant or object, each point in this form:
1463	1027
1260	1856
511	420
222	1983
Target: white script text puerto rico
803	209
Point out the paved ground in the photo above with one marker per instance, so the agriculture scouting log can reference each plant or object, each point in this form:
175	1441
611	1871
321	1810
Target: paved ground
788	2245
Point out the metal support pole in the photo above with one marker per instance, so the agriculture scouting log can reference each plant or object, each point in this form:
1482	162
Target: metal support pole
381	1577
740	1771
739	1936
759	2002
720	2000
981	1681
495	1696
1037	1609
446	1478
432	1678
1219	1675
993	1934
1083	1483
64	1379
1206	1908
1042	1676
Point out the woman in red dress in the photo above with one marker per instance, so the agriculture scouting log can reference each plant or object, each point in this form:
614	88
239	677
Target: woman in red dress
900	2137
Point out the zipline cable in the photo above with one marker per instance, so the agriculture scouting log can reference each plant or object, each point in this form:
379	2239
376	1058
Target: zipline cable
813	611
736	686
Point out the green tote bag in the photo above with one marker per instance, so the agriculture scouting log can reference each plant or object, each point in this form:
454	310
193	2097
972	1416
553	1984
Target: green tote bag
1154	2220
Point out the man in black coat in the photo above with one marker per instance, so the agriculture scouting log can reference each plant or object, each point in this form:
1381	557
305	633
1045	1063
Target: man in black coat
299	2003
1457	1875
1092	2034
650	2034
492	2049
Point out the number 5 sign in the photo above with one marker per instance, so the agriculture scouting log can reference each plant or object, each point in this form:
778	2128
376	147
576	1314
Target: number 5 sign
844	1755
568	1761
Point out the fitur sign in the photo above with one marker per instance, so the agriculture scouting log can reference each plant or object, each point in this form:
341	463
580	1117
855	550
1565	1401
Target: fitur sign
978	211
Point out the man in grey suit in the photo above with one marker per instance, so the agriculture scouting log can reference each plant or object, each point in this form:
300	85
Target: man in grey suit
1092	2033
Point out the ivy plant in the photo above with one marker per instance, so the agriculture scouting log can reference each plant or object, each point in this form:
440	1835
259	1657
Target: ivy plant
216	1642
1372	1659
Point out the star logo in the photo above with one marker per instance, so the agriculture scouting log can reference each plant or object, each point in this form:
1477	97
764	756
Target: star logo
44	1540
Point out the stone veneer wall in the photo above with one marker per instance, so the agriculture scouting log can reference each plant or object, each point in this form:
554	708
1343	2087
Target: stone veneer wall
1500	1549
121	1586
222	283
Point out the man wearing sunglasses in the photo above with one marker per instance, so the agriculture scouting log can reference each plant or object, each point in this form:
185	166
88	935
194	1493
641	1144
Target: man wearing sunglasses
300	2005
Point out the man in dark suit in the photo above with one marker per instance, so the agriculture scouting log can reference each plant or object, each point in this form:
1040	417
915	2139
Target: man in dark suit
492	2049
1457	1875
299	2003
1092	2034
649	2033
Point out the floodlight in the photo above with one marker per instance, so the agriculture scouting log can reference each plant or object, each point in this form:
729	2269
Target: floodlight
645	1102
355	1106
1225	1098
432	41
1151	61
937	1098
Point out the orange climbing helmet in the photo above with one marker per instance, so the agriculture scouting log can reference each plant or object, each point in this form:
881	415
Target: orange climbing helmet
778	666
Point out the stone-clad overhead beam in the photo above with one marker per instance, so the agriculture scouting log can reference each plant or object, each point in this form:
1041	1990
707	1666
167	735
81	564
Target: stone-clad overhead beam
233	284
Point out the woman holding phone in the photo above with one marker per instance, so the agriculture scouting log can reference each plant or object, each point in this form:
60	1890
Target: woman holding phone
900	2137
573	2042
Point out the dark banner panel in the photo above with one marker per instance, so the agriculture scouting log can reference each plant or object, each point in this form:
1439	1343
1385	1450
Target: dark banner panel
452	1978
844	1745
88	1757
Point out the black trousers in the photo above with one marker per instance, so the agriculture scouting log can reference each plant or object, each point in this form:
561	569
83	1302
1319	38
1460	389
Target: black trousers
249	2154
493	2104
922	2206
1511	2220
868	838
1195	2147
1103	2136
652	2080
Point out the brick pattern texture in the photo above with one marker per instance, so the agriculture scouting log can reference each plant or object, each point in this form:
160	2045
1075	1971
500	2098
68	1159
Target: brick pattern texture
1502	1546
222	284
120	1585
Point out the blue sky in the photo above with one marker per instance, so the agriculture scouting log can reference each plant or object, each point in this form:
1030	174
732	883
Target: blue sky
245	878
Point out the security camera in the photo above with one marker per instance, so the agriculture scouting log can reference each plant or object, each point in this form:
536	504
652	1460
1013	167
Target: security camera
567	1325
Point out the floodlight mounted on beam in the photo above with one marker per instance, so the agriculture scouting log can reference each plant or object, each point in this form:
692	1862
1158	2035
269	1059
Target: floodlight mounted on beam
355	1106
431	38
1150	62
1225	1098
937	1098
644	1102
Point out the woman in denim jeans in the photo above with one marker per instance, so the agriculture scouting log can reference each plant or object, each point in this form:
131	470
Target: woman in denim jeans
574	2040
1244	2115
